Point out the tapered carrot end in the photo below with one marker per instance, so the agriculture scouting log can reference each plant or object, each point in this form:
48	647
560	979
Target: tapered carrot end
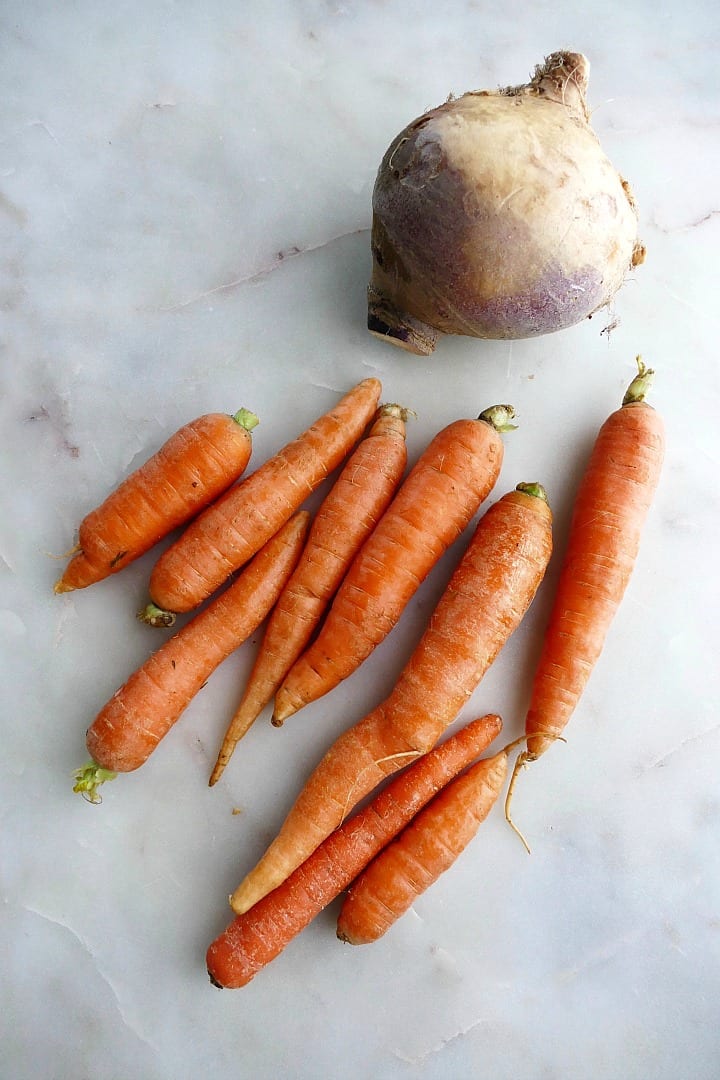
218	770
282	709
239	726
89	778
62	587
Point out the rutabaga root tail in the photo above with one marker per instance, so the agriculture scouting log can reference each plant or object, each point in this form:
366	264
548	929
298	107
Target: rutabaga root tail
89	778
523	760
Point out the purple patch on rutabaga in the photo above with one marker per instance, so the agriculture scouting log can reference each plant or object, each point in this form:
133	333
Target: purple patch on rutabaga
554	303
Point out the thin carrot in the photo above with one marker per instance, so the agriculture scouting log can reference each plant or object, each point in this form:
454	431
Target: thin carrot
485	600
436	502
230	531
129	727
425	849
346	517
611	506
254	939
189	471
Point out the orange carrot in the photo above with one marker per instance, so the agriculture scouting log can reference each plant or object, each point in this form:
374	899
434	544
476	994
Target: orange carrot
434	505
426	848
611	505
230	531
129	727
347	516
485	600
196	465
254	939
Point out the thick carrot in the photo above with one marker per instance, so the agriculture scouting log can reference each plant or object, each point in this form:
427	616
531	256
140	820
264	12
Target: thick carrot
436	502
346	517
426	848
254	939
196	465
230	531
129	727
485	600
610	509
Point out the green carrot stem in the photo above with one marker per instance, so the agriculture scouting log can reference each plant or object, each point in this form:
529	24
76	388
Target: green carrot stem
89	778
640	385
246	419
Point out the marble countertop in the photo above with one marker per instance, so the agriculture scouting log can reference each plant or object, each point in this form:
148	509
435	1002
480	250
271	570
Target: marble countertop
184	211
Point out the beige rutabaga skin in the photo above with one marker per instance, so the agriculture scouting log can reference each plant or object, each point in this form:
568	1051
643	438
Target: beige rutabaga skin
498	215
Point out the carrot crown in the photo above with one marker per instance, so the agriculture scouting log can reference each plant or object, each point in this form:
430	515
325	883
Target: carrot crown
534	489
499	417
246	419
89	778
640	385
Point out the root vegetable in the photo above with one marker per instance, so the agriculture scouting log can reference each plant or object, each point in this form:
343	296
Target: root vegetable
256	937
345	519
196	465
236	526
484	602
498	215
425	849
444	489
130	726
611	506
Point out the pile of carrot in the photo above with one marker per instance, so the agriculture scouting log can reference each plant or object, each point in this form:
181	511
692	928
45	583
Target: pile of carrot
332	588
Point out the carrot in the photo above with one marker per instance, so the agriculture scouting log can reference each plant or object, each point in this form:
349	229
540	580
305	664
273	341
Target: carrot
442	492
610	509
426	848
129	727
196	465
347	516
254	939
229	532
485	600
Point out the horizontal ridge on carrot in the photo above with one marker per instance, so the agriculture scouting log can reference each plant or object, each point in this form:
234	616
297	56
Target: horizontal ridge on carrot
346	517
611	505
254	939
433	506
425	849
229	532
484	602
189	471
129	727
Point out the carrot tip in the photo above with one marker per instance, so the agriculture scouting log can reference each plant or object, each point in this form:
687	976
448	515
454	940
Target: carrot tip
153	615
60	587
89	778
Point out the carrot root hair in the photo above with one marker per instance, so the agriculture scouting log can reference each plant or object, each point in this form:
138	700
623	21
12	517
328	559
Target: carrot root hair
88	779
373	764
522	762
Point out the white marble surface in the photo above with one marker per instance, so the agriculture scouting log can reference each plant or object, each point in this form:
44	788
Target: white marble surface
184	207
